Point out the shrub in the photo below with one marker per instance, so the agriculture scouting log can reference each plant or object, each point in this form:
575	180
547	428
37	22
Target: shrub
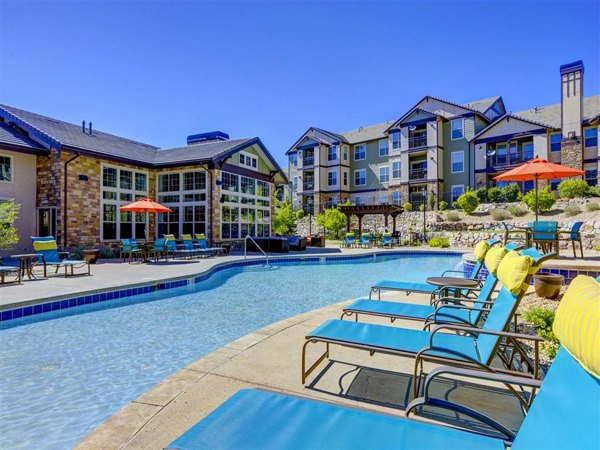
468	202
452	216
597	247
299	214
572	210
405	242
542	319
443	205
431	201
439	242
455	205
494	194
511	192
546	200
284	222
333	220
482	195
517	211
422	207
573	188
592	207
500	214
594	191
9	213
407	207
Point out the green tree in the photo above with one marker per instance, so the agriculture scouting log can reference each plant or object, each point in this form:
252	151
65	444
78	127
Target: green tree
9	212
573	188
468	202
546	200
284	221
333	220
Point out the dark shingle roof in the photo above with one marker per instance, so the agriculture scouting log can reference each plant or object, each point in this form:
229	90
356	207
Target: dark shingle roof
550	115
482	105
206	151
369	133
11	137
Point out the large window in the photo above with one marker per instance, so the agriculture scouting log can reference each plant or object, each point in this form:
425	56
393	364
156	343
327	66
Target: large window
294	159
384	174
458	162
590	136
360	177
332	178
119	187
555	142
383	148
396	140
6	168
527	151
396	170
332	153
396	198
360	152
591	176
185	193
501	154
246	213
458	131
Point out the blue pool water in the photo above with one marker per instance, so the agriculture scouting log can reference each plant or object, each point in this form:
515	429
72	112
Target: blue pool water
64	372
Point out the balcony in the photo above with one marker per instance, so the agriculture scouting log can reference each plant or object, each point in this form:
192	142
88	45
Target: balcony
417	140
417	174
502	160
308	161
308	185
417	198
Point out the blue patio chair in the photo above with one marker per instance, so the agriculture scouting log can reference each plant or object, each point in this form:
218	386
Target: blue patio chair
5	269
48	251
574	235
159	249
545	235
202	244
129	248
564	415
387	240
365	240
348	241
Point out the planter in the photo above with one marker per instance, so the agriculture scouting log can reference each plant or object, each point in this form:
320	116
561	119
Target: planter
90	256
548	285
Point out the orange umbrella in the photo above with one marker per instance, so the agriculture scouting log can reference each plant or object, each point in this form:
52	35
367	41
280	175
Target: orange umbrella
538	169
145	205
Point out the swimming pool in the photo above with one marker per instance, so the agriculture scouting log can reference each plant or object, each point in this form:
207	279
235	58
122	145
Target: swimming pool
62	377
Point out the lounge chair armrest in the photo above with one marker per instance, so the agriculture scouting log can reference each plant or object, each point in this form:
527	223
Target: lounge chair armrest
459	301
64	255
455	271
480	375
473	330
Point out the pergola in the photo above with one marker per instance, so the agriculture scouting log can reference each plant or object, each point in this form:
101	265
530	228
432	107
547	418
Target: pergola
362	210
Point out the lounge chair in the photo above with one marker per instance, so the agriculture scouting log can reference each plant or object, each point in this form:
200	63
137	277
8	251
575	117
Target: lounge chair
574	235
174	250
202	244
387	240
425	288
9	269
365	240
475	347
445	309
564	415
129	248
349	241
48	251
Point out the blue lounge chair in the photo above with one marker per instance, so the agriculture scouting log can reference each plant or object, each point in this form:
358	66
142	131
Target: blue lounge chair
130	248
203	245
365	240
48	250
348	241
9	269
425	288
387	240
188	245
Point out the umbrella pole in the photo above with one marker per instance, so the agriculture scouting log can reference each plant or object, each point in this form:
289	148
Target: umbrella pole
536	198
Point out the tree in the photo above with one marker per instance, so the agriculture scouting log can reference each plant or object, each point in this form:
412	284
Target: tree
284	221
333	220
9	212
546	200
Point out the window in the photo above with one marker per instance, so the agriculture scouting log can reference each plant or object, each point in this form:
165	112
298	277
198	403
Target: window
126	179
109	177
384	174
332	178
396	140
512	153
458	162
295	183
263	189
345	178
345	152
384	199
591	176
456	191
194	181
168	182
360	152
248	160
294	159
527	151
554	184
247	185
6	168
555	142
383	148
229	182
396	198
360	177
332	153
501	154
527	186
457	129
590	137
396	170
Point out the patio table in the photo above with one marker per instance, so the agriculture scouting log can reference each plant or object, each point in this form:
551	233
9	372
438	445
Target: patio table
26	264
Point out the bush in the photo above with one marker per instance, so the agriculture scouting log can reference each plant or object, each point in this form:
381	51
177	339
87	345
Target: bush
594	191
407	207
333	220
500	214
546	200
592	207
542	319
431	201
572	210
422	207
9	213
468	202
299	214
573	188
517	211
452	216
439	242
511	192
494	194
405	242
443	205
455	205
284	222
482	195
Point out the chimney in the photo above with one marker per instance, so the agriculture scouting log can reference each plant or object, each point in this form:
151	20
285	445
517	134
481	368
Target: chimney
90	127
83	126
571	107
207	137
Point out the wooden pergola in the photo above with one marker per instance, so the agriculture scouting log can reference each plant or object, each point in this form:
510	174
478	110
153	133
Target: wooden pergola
362	210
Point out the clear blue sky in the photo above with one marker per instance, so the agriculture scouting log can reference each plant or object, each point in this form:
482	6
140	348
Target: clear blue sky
158	71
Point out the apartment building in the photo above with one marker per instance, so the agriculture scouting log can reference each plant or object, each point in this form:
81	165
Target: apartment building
442	148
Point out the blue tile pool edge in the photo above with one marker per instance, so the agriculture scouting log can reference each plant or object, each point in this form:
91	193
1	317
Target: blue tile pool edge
46	306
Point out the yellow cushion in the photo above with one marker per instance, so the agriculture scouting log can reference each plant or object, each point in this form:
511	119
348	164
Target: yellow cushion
577	322
514	272
44	245
186	237
493	258
169	237
200	237
349	235
480	250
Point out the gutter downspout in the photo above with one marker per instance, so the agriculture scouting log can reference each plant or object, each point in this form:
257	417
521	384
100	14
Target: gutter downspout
210	200
66	197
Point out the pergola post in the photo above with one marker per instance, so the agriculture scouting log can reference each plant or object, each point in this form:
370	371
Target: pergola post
347	223
359	224
385	216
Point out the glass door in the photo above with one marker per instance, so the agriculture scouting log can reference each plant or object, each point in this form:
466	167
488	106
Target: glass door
46	223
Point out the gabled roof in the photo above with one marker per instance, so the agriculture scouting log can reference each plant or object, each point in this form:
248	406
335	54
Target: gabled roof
320	135
482	105
10	137
369	133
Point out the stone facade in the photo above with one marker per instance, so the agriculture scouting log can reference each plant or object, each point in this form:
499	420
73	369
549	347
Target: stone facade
571	153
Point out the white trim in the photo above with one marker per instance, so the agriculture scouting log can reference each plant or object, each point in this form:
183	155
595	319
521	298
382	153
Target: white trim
354	151
12	168
462	152
462	127
336	178
249	156
387	147
335	153
354	179
399	169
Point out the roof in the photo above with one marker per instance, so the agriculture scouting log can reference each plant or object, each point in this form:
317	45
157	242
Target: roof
369	133
205	151
10	137
549	115
482	105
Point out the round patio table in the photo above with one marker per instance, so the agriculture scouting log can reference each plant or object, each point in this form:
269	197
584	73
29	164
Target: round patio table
26	264
453	281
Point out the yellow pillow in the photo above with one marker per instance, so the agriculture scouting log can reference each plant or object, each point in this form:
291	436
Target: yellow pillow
480	250
169	237
39	246
514	271
577	322
493	258
200	237
186	237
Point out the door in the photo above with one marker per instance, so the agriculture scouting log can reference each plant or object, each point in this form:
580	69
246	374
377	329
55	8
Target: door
46	223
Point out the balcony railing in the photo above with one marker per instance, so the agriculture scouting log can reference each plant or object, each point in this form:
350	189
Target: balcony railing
417	140
417	174
510	159
308	161
308	185
416	198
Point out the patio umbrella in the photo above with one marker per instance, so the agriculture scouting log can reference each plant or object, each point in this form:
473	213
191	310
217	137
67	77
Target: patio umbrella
145	205
538	169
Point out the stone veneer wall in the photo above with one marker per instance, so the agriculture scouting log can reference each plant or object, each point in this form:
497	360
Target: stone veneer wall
571	153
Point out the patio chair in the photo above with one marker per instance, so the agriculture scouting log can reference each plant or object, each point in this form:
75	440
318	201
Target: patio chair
517	234
129	248
365	240
544	234
473	347
202	244
5	269
48	251
564	414
574	235
349	241
425	288
188	246
158	250
387	240
175	251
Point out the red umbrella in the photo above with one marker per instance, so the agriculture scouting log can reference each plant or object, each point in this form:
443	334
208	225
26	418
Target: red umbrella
145	205
538	169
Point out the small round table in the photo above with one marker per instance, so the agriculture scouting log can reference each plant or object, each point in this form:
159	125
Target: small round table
26	264
453	281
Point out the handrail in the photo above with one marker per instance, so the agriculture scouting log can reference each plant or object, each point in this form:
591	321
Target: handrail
257	246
